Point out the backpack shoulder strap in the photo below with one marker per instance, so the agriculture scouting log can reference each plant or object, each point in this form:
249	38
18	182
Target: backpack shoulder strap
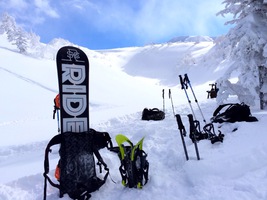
221	107
54	141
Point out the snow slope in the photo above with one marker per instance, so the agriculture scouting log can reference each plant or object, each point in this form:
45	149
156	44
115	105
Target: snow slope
122	83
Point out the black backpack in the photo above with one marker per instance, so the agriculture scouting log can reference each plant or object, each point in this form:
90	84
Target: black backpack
212	93
153	114
235	112
77	165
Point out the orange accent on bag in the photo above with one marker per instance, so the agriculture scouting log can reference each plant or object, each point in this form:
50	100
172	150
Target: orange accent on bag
57	173
57	101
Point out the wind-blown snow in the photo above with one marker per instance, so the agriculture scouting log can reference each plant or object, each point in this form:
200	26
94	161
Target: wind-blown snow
122	83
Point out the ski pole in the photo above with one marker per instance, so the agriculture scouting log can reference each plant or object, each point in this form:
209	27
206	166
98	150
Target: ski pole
180	127
58	126
193	131
184	87
170	97
182	133
186	79
163	100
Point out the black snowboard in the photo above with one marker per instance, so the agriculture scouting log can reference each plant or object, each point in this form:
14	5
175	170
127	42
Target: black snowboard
73	82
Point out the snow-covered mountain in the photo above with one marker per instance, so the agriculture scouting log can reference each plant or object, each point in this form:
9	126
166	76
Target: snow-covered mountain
192	39
122	83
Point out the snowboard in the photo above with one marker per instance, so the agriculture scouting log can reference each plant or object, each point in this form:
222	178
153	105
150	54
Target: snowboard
73	82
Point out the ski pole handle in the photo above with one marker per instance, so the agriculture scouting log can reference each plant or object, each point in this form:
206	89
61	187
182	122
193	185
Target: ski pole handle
186	79
181	81
179	122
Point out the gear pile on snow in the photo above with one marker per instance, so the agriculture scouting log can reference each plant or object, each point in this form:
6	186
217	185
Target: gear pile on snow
79	144
134	165
233	112
154	113
76	173
195	131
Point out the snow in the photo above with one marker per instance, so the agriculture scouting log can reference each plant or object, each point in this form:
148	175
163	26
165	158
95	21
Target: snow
122	83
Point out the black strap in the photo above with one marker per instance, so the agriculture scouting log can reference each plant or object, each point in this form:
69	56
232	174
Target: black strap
55	140
100	160
221	107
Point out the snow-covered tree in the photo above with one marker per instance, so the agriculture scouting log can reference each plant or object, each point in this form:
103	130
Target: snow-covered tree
247	41
21	40
8	25
15	34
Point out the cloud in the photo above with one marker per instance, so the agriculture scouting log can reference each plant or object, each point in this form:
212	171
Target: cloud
83	6
16	4
158	19
152	19
43	6
29	12
142	21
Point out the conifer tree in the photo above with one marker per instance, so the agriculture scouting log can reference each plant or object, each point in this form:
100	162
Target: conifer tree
15	35
247	40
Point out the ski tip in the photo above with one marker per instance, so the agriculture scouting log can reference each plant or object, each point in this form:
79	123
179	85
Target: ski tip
120	139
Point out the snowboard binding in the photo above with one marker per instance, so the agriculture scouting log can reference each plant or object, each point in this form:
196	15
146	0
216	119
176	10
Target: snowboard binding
207	133
209	130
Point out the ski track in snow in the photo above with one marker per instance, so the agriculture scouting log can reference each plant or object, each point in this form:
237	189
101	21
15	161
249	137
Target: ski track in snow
29	80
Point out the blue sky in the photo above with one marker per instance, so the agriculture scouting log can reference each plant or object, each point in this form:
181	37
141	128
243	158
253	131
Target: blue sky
105	24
